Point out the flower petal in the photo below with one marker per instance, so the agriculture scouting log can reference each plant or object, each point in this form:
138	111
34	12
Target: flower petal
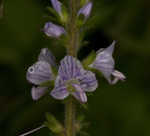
39	72
88	81
46	55
110	49
70	68
57	6
53	30
38	92
59	92
86	10
104	62
117	76
79	94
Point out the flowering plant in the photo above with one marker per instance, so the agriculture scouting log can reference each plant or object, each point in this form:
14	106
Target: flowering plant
70	79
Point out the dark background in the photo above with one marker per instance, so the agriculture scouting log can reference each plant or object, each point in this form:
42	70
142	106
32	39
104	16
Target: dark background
119	110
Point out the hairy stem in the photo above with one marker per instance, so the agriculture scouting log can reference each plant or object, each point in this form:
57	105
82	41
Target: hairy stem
72	47
70	117
73	32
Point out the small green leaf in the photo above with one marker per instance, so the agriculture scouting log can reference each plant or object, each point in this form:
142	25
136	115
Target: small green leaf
83	2
80	20
64	17
52	11
85	106
54	125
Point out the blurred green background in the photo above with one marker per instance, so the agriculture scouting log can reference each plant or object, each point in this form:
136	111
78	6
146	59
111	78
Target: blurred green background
119	110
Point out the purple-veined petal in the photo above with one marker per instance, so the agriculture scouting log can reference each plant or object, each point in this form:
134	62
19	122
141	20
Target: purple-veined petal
109	49
79	94
88	81
39	72
86	10
46	55
57	6
70	68
38	92
104	62
117	76
59	92
53	30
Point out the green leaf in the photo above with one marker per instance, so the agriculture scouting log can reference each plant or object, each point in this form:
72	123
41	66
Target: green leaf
80	20
83	2
52	11
54	125
64	17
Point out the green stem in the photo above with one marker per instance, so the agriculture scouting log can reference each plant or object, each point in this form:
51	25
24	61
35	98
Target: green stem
72	47
73	32
70	117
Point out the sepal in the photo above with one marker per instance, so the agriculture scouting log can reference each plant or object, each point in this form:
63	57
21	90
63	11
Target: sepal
49	84
89	59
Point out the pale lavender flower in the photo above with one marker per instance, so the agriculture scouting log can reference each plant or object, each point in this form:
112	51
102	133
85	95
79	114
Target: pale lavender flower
104	62
86	10
73	79
53	30
40	72
57	6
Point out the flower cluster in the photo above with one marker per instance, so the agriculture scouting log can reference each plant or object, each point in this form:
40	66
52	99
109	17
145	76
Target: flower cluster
55	31
72	78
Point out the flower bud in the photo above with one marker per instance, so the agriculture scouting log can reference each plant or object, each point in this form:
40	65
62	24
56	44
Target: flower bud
52	30
86	10
57	6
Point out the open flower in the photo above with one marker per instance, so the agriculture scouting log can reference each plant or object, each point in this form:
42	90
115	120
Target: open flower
86	10
73	79
104	62
41	72
53	30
